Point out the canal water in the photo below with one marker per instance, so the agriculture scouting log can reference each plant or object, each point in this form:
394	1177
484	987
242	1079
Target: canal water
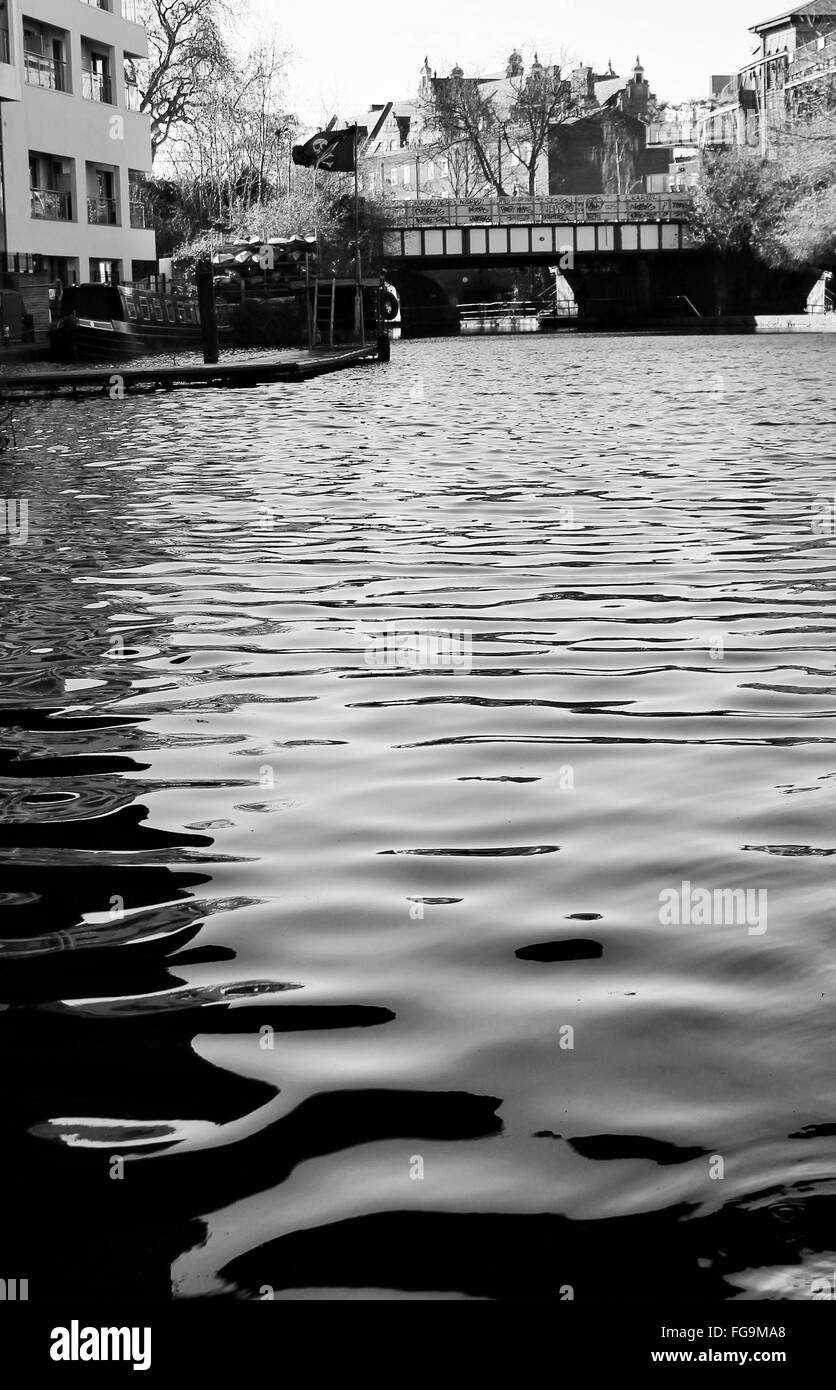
417	839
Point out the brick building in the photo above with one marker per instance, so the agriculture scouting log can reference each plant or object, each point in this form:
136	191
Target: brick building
620	138
617	141
401	156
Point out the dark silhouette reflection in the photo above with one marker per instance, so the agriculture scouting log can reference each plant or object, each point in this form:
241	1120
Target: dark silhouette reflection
49	951
614	1146
122	1236
537	1257
123	830
547	951
80	766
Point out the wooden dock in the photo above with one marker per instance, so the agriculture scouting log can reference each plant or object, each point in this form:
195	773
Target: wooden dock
113	382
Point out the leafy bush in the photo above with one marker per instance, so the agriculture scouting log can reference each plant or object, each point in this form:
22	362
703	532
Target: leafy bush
781	210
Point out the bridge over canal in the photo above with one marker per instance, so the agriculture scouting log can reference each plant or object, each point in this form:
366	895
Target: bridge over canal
624	257
536	230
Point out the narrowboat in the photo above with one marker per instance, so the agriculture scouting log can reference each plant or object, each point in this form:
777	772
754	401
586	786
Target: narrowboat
101	322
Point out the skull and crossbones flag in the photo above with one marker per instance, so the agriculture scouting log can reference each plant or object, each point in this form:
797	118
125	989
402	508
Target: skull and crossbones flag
333	150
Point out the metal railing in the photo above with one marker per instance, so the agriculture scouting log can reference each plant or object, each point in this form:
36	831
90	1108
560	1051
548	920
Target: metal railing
102	212
96	86
559	209
810	62
44	72
507	309
139	215
162	284
48	204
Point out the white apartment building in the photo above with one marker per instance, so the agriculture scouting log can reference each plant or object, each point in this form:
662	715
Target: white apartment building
74	142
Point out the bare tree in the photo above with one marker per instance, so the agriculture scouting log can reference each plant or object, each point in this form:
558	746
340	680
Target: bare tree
465	120
623	153
464	172
475	118
536	101
186	56
234	154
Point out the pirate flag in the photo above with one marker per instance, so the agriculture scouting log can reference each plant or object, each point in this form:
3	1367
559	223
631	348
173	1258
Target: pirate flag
331	149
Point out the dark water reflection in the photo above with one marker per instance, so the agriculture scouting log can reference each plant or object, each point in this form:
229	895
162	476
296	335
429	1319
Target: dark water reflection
356	962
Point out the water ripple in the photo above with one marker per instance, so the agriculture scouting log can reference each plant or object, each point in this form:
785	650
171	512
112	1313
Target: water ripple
260	653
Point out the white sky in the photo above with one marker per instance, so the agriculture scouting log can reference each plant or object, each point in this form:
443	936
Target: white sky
349	53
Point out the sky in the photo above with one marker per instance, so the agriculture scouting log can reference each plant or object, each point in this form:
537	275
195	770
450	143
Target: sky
349	53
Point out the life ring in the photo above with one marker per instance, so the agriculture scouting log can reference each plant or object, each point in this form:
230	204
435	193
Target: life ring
389	306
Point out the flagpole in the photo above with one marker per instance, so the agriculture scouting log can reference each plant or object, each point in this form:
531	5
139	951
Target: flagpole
358	293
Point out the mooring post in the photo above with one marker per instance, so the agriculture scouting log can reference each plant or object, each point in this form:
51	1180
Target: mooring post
384	350
208	312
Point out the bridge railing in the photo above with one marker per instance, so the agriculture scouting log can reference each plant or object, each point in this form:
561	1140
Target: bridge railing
560	209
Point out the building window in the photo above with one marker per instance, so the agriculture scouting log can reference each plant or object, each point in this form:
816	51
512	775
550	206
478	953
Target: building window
105	272
96	82
44	57
407	176
140	215
101	197
132	92
50	188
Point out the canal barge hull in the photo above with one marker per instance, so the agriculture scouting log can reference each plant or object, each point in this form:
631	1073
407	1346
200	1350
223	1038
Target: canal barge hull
105	322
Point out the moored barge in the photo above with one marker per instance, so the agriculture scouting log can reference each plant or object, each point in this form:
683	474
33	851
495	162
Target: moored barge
98	323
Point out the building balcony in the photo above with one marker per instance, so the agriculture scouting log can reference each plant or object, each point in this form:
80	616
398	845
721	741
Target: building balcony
140	216
44	72
132	96
101	212
96	86
48	205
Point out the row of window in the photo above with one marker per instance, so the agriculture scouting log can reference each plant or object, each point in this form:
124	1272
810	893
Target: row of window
52	197
50	205
176	311
68	269
402	173
396	175
45	64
